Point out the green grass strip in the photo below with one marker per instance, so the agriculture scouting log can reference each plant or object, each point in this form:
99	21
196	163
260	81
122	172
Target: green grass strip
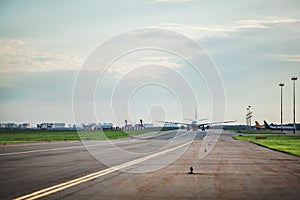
17	136
258	131
287	144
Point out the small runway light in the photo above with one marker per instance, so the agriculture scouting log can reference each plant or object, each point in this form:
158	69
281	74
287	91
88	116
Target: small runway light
191	170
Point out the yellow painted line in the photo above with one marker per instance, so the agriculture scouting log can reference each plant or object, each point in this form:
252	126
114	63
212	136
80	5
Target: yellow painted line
68	184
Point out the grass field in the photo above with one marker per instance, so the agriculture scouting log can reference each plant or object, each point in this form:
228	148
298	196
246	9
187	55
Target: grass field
258	131
287	144
15	136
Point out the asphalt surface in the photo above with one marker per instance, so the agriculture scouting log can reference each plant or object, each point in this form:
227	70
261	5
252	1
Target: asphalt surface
150	166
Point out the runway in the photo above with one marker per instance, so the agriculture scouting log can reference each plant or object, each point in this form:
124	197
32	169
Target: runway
70	170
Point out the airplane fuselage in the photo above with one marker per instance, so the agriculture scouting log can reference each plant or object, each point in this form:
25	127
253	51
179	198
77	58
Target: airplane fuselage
194	125
278	127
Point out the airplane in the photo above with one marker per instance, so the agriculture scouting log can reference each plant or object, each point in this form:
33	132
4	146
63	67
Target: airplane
195	123
278	127
259	127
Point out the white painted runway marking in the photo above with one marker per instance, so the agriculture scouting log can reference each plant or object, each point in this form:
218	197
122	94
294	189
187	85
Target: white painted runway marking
179	136
153	136
55	149
68	184
73	147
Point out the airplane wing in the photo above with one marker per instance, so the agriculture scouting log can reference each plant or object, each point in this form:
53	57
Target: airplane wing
211	123
199	120
169	122
199	125
203	124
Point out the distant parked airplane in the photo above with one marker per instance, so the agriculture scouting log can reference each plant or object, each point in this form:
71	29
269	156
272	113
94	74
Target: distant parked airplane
272	127
278	127
258	126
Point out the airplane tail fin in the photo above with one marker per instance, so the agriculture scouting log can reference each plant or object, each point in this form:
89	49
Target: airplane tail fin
258	126
267	125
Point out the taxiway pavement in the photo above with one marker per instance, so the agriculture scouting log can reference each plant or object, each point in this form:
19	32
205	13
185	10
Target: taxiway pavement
156	167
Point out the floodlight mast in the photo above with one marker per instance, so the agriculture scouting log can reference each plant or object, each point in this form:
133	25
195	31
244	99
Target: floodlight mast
294	78
281	85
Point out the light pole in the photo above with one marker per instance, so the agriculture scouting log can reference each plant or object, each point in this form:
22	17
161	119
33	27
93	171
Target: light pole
281	85
294	80
247	118
250	116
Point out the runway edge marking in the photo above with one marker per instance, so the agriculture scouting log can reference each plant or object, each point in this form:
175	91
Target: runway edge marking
68	184
55	149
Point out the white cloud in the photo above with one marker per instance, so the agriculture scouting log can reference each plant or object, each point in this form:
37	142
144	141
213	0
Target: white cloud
132	61
285	57
170	1
18	56
264	23
124	66
200	32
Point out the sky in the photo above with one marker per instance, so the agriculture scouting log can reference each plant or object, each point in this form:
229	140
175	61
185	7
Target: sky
47	47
